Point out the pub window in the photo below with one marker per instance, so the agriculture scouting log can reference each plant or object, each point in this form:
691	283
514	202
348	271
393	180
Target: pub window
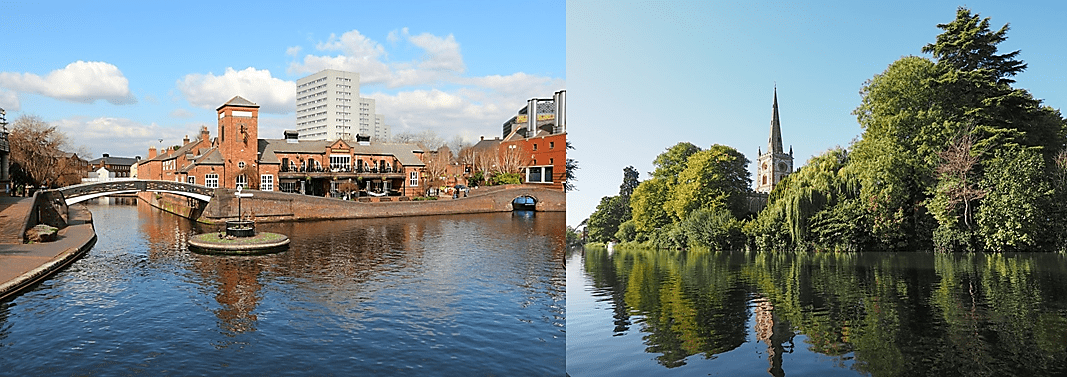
211	180
413	178
241	181
191	180
266	182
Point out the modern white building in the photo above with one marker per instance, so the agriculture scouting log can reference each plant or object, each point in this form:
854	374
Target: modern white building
328	107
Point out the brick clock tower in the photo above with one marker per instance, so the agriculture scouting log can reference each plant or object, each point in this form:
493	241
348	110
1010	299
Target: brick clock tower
775	164
239	141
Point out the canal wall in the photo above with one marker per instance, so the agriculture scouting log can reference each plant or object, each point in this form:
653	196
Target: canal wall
268	206
23	265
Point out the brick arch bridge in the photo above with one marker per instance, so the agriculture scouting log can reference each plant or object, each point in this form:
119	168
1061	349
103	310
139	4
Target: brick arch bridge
86	191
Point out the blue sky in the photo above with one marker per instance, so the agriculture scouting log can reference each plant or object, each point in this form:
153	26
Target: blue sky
643	76
119	77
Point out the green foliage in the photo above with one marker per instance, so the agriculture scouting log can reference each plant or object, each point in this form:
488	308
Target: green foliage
604	222
627	232
1014	216
647	205
672	162
714	178
629	181
505	179
715	229
815	207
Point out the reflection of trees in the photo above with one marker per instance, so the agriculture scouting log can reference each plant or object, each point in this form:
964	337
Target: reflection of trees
890	314
688	303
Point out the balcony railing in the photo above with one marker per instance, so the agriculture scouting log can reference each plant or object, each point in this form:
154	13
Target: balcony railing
340	169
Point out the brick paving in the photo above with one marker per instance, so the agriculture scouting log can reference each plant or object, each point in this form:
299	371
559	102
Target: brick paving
23	265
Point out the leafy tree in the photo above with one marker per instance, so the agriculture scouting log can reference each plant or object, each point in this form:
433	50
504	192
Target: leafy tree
716	229
968	45
647	205
673	161
605	220
629	181
1014	215
627	231
570	177
713	178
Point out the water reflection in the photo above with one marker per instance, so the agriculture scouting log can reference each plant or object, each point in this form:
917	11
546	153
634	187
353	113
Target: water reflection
880	314
434	295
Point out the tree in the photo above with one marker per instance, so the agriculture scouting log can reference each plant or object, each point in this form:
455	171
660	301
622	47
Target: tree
647	205
511	159
437	163
427	139
604	222
572	167
713	178
1014	215
37	150
968	45
629	181
671	162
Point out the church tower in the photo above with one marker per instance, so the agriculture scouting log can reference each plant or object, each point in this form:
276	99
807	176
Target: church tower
775	164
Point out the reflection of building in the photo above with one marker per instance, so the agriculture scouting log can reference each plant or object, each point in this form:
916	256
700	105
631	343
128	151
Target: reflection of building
328	107
776	333
775	164
238	157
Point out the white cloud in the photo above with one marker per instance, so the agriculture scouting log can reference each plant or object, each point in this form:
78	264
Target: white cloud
181	113
358	54
441	53
293	51
209	91
79	81
9	101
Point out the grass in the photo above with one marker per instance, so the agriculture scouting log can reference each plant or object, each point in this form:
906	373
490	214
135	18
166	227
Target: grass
259	238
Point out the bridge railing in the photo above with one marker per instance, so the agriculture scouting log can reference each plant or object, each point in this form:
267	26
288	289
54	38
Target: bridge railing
87	189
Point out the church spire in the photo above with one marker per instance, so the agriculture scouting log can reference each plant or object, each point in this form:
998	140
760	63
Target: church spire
774	144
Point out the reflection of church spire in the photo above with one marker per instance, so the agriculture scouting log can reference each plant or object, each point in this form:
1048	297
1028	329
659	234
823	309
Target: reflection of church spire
774	145
774	332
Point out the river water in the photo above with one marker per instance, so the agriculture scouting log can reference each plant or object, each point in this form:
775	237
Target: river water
426	296
700	313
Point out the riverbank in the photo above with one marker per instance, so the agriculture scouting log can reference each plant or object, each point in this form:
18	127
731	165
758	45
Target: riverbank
23	265
266	206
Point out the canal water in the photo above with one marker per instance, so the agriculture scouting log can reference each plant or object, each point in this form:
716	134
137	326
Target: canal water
701	313
426	296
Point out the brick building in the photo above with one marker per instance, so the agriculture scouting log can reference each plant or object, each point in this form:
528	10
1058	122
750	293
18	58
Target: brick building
314	167
537	135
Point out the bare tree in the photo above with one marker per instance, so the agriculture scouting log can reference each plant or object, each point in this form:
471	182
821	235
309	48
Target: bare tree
37	149
436	165
511	159
458	144
427	140
957	165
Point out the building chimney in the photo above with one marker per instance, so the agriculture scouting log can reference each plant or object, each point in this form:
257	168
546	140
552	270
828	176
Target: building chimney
151	152
204	133
106	155
185	140
483	137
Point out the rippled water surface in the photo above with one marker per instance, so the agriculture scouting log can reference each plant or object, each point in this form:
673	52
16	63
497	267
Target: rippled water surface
676	313
436	295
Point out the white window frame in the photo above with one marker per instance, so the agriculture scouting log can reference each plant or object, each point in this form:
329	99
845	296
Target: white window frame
190	179
241	180
545	178
211	180
413	178
266	182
